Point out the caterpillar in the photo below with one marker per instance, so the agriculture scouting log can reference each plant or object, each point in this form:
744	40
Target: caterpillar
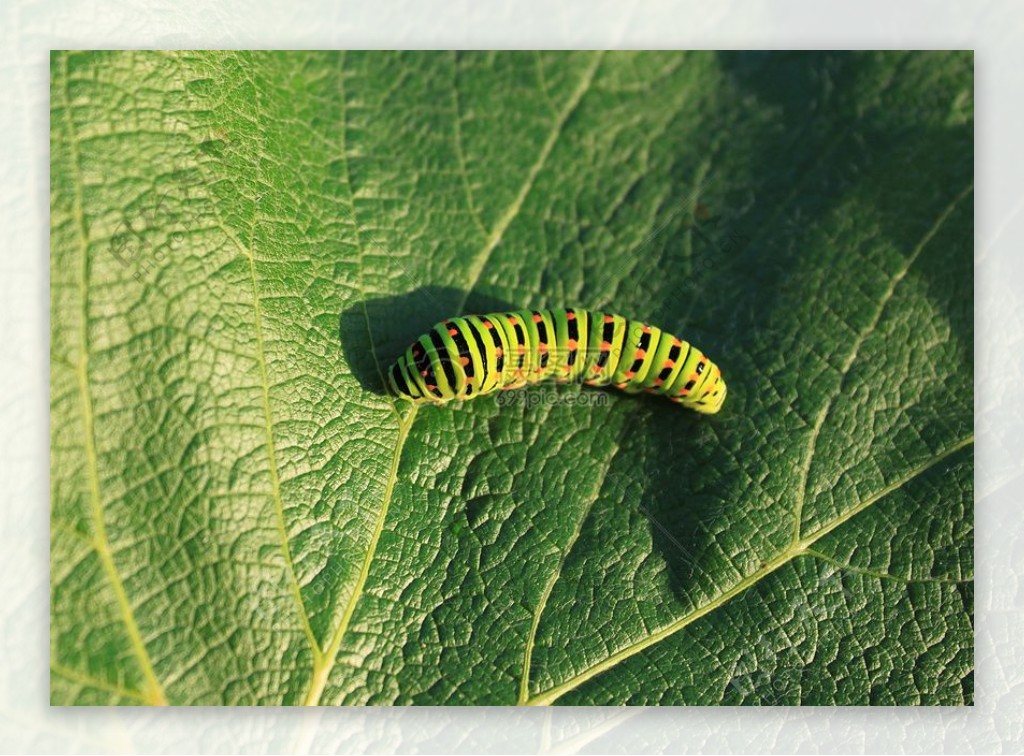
474	355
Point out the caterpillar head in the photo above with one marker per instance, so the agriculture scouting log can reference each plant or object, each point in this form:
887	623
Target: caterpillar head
705	390
712	402
712	394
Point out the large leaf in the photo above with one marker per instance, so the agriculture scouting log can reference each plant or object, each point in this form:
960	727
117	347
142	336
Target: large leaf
241	515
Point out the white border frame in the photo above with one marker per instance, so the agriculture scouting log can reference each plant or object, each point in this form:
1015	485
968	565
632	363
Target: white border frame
28	30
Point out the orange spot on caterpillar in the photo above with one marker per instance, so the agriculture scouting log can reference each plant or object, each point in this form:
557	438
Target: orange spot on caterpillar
571	344
630	374
640	354
658	381
499	352
453	331
646	329
463	361
669	364
537	318
609	319
570	316
542	348
488	324
606	346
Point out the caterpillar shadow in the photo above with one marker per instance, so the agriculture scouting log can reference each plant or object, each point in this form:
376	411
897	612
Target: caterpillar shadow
374	332
674	445
676	491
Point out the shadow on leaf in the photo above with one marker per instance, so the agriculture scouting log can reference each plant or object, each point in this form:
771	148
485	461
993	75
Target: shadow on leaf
375	332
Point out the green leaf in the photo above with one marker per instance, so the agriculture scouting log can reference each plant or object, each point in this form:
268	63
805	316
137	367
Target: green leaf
241	241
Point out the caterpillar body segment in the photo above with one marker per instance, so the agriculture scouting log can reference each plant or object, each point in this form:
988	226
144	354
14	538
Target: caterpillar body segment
473	355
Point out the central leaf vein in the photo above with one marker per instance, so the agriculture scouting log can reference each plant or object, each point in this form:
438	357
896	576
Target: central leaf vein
325	663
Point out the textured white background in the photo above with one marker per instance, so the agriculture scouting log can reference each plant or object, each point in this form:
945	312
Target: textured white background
30	28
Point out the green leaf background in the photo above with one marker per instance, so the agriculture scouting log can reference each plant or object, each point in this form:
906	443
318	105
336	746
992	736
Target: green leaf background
240	515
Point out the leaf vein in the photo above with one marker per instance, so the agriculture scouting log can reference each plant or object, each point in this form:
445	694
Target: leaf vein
844	567
155	694
323	668
326	663
268	420
86	680
459	152
531	639
476	266
323	665
851	358
783	558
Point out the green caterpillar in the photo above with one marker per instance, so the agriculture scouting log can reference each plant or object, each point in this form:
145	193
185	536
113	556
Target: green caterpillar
474	355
